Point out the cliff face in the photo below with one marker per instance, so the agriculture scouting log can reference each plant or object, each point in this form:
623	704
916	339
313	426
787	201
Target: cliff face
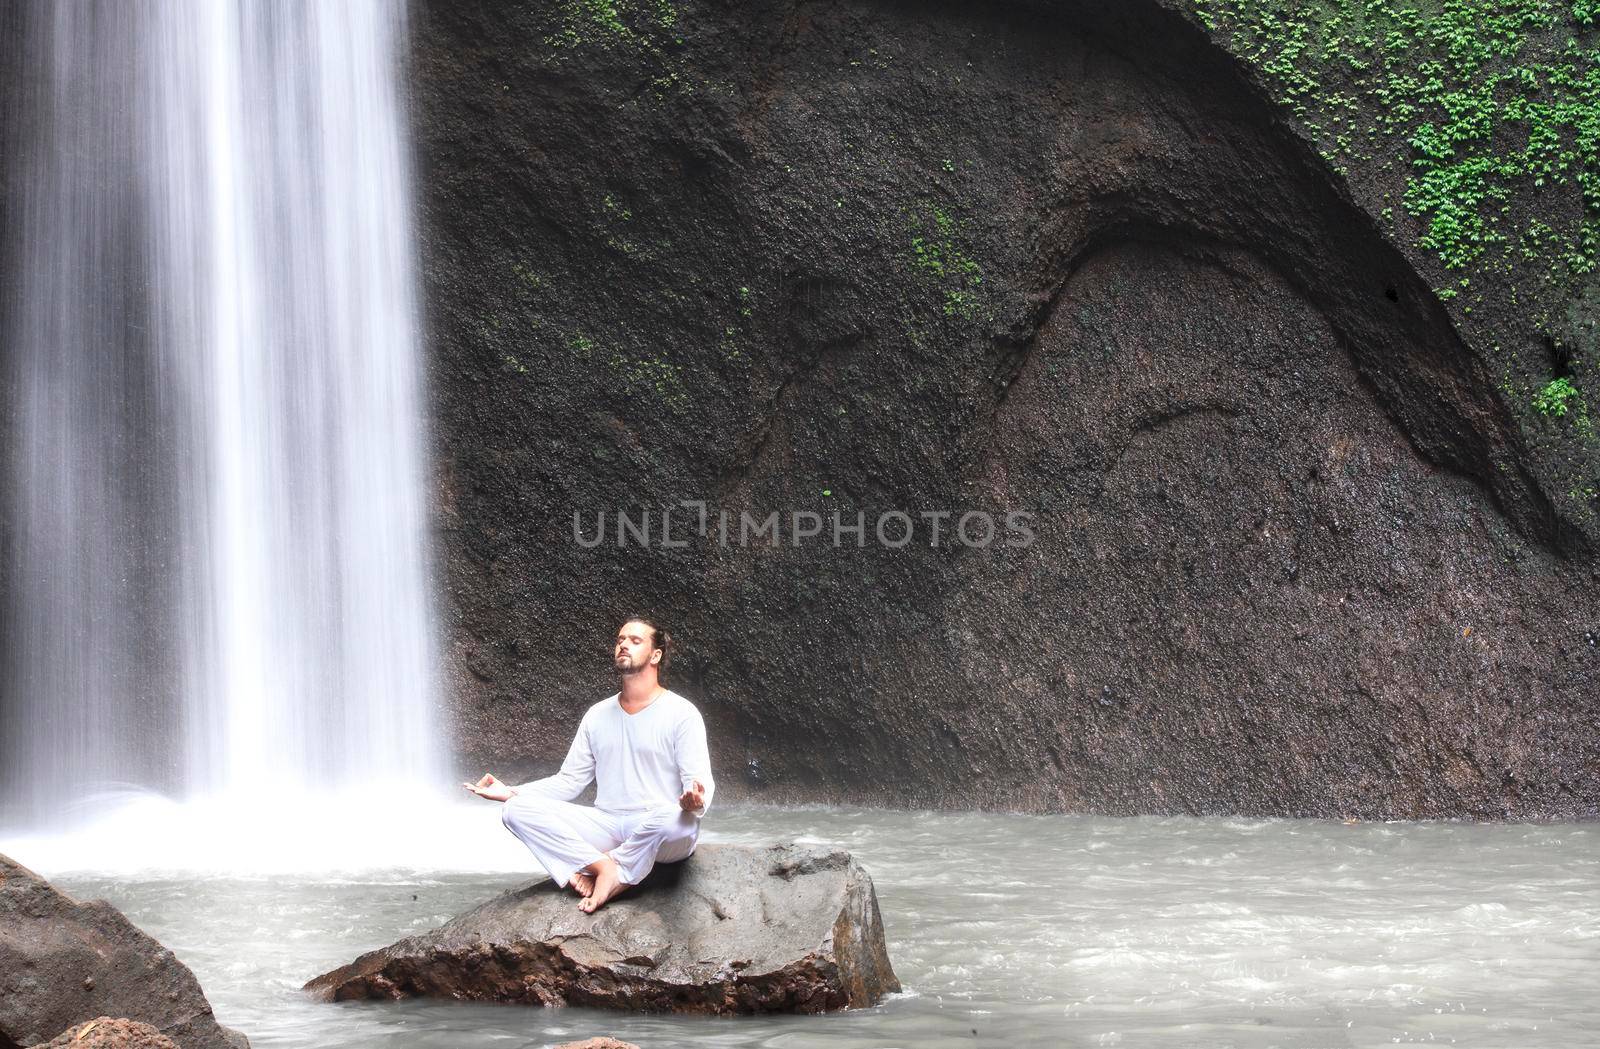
1469	131
1289	551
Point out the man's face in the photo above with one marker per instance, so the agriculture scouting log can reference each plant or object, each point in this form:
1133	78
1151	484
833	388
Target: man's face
634	650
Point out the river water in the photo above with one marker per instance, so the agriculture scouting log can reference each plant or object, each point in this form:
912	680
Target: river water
1006	931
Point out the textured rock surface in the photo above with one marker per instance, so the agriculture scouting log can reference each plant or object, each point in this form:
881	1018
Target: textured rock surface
1490	200
105	1032
730	930
1290	555
63	962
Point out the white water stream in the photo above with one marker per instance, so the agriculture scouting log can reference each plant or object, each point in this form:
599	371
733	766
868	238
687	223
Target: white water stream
217	586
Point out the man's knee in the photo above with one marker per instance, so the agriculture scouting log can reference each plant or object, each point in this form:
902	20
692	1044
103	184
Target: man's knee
526	810
669	829
684	828
679	839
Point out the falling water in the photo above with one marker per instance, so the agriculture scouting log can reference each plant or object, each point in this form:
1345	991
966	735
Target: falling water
215	578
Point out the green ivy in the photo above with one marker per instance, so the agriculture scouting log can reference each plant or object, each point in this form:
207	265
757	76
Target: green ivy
1482	120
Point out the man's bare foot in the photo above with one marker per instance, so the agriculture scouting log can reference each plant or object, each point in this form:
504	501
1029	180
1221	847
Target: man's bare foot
607	883
583	882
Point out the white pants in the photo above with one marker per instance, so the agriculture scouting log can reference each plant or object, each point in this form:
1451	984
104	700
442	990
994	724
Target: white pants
565	837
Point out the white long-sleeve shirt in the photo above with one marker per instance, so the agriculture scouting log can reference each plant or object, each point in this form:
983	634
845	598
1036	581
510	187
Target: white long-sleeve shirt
637	761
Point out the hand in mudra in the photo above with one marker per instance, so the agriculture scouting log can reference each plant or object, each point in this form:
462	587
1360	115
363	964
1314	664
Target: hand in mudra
694	797
491	788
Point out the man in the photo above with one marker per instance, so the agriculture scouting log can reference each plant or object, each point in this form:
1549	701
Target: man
645	749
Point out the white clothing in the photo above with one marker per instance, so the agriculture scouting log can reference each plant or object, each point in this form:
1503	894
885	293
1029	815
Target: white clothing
566	837
641	764
637	761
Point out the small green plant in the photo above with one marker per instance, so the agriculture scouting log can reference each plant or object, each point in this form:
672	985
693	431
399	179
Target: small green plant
527	275
652	377
936	253
1552	401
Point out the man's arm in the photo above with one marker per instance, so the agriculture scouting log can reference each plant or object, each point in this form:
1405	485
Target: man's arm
693	757
577	771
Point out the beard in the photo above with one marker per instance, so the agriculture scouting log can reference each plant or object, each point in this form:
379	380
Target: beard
622	665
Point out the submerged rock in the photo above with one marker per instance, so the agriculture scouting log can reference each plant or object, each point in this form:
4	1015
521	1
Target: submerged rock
63	962
105	1032
732	929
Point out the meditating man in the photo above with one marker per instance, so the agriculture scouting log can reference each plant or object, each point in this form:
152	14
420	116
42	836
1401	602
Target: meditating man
645	749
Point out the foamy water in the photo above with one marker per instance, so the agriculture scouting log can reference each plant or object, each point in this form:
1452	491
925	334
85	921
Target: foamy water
1006	930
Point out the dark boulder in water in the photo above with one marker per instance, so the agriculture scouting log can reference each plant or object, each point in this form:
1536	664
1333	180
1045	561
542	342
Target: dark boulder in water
732	929
63	962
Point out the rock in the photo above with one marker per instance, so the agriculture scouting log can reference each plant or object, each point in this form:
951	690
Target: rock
732	929
875	268
597	1043
63	962
104	1032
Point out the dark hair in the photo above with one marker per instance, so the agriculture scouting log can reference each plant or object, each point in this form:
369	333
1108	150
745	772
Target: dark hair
659	638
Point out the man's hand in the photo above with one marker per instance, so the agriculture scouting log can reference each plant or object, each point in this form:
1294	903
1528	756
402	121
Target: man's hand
693	798
493	789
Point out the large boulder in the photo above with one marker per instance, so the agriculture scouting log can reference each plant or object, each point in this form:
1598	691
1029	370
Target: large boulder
63	962
732	929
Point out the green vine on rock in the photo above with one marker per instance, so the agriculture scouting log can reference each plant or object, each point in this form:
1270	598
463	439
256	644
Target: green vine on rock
1492	105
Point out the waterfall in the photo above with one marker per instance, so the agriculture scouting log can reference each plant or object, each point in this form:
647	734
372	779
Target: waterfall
215	577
